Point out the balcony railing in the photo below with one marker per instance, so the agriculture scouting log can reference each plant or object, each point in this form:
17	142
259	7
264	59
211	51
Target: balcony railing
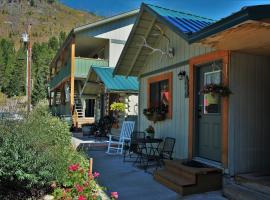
82	66
60	76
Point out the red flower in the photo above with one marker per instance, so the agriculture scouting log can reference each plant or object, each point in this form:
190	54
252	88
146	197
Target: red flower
79	188
81	197
68	190
73	167
114	195
96	174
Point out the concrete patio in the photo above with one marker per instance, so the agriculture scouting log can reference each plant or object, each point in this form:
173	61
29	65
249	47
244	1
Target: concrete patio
132	183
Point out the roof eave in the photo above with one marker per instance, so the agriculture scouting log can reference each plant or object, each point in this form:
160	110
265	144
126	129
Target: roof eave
106	20
249	13
128	41
143	8
157	16
64	45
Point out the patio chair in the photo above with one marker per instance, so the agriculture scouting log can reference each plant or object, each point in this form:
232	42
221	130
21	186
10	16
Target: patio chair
133	146
164	153
117	145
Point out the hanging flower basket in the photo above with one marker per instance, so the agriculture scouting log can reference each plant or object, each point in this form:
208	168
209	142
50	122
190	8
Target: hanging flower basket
216	89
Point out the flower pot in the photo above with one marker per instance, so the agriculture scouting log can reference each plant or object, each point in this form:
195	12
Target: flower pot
115	125
151	135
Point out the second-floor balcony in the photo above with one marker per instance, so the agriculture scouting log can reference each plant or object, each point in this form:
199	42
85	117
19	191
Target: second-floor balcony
82	66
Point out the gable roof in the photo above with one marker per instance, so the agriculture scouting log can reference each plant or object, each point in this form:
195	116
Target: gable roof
101	22
116	83
182	23
149	17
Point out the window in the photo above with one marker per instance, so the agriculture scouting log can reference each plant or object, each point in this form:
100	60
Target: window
211	102
160	92
90	108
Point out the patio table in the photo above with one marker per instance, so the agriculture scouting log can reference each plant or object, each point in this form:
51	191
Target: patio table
151	149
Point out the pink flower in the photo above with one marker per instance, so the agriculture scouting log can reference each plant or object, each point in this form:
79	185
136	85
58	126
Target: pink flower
79	188
96	174
81	197
73	167
90	175
114	195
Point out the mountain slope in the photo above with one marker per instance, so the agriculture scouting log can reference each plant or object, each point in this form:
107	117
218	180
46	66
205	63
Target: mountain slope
47	19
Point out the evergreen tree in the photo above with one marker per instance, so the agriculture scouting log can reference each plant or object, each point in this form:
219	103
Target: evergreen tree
13	67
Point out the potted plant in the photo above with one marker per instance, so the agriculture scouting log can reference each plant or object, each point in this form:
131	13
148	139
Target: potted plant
216	89
151	131
117	108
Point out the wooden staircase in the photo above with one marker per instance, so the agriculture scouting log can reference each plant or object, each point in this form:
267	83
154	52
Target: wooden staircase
78	105
188	180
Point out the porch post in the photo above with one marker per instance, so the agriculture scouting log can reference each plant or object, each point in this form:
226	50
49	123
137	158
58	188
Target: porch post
72	72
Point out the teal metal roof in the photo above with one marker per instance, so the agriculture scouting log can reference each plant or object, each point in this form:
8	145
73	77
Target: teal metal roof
82	65
182	23
116	83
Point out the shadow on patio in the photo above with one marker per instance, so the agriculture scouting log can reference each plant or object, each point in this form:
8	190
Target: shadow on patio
133	183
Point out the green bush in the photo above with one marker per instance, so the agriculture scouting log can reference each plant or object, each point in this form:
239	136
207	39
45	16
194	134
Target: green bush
35	152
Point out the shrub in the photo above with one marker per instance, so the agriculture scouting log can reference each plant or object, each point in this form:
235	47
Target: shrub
80	184
35	152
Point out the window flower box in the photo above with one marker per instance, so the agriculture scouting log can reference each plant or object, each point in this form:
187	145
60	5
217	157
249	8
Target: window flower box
155	114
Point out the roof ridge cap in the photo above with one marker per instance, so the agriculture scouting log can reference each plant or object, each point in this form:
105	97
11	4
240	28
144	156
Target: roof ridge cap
186	13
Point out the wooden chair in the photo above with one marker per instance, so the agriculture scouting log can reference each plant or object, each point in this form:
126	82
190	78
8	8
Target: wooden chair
116	146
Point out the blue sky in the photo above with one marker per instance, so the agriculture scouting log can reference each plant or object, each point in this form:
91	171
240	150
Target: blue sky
214	9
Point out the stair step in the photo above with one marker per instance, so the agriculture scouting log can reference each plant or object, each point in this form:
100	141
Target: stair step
179	172
237	192
175	185
177	164
189	180
255	181
177	180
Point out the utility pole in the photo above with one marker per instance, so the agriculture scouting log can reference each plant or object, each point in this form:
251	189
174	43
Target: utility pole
26	37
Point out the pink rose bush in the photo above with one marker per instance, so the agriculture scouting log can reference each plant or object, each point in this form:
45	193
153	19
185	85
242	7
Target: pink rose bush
114	195
80	184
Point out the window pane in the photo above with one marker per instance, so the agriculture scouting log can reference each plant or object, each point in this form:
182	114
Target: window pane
212	102
154	95
159	94
164	93
90	108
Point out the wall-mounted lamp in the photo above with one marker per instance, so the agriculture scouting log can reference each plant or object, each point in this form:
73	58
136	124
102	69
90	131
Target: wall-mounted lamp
182	75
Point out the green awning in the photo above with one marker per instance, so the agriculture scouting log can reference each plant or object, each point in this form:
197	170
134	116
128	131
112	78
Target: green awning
116	83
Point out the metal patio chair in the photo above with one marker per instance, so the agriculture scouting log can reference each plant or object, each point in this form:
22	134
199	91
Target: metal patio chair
116	146
165	153
133	147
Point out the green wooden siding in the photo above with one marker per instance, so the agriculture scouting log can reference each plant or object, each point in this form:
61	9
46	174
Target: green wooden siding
82	66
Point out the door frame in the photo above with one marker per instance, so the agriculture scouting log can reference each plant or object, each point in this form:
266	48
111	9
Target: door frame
193	63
